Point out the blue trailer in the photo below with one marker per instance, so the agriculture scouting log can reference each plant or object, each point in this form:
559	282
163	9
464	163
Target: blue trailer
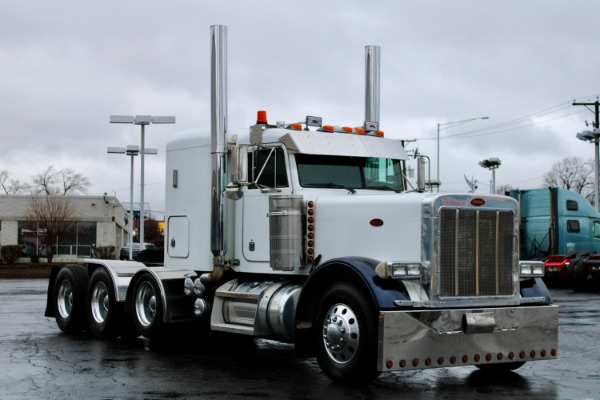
559	226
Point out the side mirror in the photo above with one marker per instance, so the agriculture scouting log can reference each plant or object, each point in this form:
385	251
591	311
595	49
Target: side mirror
421	174
239	165
239	172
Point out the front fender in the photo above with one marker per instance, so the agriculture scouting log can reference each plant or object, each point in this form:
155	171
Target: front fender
535	288
357	270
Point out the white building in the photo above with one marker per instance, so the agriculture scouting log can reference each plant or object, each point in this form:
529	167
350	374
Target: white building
97	221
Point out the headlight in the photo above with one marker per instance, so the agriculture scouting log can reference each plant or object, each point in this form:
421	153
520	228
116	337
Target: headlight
531	269
398	270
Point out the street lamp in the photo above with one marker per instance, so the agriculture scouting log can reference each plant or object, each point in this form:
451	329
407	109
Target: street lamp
141	120
592	136
492	164
439	127
131	151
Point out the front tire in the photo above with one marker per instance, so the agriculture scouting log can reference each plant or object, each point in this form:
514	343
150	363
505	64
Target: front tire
103	311
346	335
69	299
148	306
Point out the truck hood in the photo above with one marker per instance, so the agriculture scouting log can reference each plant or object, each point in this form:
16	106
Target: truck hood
380	226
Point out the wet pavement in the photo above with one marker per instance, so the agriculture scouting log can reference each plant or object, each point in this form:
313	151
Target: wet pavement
38	361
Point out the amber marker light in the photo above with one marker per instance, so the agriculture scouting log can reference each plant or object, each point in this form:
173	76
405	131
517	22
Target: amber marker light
261	117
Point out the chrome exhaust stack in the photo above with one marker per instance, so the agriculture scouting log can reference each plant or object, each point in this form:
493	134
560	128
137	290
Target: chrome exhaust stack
218	104
372	88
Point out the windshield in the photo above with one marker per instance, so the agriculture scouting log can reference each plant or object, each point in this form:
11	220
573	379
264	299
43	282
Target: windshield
349	172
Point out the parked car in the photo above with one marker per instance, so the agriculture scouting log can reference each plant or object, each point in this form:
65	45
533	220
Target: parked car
137	249
152	257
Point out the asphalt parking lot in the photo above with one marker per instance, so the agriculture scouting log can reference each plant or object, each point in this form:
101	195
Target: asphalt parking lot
38	361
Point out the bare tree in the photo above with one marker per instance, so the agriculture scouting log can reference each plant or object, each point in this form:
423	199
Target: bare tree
11	186
572	173
53	215
60	182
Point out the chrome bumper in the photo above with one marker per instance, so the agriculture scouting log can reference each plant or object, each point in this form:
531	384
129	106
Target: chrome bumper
457	337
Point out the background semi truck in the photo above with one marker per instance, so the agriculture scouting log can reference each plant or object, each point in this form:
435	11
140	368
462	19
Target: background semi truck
305	232
560	226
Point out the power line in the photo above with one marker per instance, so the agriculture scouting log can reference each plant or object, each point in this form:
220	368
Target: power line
493	131
520	122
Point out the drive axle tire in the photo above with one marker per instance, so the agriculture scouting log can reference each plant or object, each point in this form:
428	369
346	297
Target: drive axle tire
69	299
576	275
103	311
346	335
148	306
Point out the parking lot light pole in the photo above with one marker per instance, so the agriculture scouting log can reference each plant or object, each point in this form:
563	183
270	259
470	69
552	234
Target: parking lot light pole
141	120
492	164
131	151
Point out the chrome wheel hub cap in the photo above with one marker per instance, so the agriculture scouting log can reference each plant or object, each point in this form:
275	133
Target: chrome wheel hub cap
65	299
145	304
99	302
340	333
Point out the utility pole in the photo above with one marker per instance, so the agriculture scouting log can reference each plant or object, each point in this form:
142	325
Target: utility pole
596	105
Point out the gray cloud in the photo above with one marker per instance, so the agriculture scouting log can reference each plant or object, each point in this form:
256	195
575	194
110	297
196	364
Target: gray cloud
66	66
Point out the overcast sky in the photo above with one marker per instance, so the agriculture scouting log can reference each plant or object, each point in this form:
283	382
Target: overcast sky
65	66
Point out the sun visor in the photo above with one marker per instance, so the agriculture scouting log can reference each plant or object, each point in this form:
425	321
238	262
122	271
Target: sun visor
340	144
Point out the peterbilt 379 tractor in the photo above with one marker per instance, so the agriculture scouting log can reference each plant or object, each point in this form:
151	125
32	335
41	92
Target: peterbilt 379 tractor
308	233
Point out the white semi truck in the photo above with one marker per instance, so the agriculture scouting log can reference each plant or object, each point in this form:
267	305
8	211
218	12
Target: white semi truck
307	233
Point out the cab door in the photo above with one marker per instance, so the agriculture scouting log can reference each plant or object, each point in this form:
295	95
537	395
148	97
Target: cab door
268	170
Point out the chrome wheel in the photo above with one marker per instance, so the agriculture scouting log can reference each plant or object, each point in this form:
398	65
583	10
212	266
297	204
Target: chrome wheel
100	302
341	333
65	299
145	304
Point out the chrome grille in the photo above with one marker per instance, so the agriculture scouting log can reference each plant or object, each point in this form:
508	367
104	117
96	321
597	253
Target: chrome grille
476	249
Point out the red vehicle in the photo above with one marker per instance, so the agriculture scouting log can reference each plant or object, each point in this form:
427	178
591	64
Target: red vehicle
556	270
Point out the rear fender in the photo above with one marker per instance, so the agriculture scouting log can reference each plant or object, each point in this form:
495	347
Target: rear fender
177	307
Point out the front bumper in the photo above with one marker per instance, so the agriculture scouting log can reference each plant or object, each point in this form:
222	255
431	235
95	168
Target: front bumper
458	337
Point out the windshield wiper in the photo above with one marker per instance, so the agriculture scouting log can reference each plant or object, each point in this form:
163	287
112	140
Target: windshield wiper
383	187
330	185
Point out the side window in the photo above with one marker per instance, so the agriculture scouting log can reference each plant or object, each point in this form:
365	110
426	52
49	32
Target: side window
573	226
596	229
266	167
572	205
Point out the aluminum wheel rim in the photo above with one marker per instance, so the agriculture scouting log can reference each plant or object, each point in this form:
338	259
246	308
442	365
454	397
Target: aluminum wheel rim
65	299
145	304
100	302
341	334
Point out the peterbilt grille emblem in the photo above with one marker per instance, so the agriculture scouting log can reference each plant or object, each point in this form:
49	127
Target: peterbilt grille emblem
477	202
376	222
